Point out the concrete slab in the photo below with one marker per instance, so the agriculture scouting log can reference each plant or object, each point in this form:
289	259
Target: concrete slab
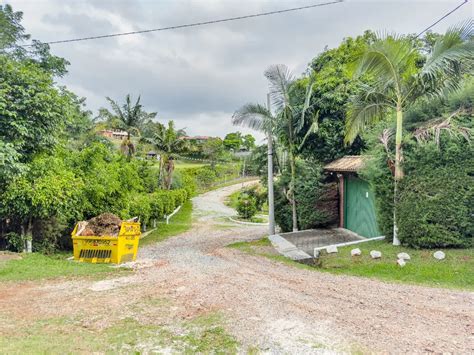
287	249
308	240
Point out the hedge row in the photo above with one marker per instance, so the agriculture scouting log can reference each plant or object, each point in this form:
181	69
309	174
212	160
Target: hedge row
156	205
435	204
205	177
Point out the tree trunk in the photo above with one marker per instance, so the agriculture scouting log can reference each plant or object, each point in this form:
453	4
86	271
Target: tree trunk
161	177
169	173
129	147
271	196
398	171
292	192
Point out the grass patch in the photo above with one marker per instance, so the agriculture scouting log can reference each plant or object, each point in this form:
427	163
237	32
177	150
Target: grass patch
186	165
179	223
205	335
247	246
37	266
453	272
231	182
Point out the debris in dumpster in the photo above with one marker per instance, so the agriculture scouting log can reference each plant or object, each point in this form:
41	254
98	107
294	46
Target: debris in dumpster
105	224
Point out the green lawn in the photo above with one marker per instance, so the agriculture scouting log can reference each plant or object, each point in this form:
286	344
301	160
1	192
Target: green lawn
233	181
37	266
179	223
180	164
204	334
456	271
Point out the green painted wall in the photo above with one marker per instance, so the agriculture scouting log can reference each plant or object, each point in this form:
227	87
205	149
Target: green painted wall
359	209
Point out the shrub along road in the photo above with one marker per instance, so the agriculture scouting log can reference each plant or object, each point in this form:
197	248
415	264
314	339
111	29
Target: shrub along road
191	292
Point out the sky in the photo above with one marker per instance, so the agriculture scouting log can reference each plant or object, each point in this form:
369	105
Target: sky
199	76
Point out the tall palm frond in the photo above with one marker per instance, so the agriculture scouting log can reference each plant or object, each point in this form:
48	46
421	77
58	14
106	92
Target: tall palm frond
280	80
366	108
451	57
387	61
254	116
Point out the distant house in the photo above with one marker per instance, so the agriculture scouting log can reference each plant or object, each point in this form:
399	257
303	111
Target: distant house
356	200
116	134
197	139
152	155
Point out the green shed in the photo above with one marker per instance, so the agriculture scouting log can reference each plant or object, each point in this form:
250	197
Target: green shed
356	200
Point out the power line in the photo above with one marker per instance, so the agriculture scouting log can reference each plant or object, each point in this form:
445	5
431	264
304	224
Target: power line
442	18
195	24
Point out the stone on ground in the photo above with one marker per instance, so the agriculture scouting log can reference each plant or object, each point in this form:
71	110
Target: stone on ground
403	256
375	254
356	252
401	262
439	255
331	249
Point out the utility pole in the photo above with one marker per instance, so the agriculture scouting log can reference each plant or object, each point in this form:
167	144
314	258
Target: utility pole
271	196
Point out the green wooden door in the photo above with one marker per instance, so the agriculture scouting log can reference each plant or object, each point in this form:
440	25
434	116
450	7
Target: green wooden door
359	210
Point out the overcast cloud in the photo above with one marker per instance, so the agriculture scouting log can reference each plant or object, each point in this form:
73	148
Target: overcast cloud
200	76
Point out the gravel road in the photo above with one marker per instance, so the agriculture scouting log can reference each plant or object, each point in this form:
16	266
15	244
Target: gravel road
275	307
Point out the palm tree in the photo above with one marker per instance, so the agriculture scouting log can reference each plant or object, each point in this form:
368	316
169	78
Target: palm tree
167	140
289	119
391	65
130	117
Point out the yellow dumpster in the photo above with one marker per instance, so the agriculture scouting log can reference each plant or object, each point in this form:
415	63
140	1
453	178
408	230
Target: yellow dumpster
108	249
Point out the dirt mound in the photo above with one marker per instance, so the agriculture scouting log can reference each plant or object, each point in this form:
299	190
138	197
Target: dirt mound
105	224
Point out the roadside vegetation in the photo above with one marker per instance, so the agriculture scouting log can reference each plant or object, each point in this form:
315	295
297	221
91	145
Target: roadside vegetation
423	269
36	266
180	223
60	163
250	203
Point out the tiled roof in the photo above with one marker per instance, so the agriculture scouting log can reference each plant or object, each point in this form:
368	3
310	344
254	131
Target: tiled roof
349	163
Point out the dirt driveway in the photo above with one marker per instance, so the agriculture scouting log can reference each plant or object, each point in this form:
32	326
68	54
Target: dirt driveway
266	305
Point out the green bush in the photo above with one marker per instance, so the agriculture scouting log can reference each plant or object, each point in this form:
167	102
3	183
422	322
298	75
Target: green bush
257	192
316	202
435	206
246	206
157	206
185	180
205	177
380	178
140	206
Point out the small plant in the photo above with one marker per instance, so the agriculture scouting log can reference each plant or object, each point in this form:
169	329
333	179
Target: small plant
246	206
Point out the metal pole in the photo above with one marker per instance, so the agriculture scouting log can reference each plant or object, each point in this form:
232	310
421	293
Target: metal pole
271	202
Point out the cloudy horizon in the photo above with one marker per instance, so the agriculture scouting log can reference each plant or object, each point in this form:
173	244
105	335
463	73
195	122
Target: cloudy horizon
199	76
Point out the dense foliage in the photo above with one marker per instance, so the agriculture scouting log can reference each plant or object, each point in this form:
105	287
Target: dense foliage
316	200
55	169
68	186
438	166
436	202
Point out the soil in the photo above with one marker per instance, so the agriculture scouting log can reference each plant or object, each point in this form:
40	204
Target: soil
105	224
5	256
269	305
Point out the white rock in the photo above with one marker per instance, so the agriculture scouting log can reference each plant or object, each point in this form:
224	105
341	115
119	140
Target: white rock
356	252
403	256
375	254
439	255
317	253
331	249
401	262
